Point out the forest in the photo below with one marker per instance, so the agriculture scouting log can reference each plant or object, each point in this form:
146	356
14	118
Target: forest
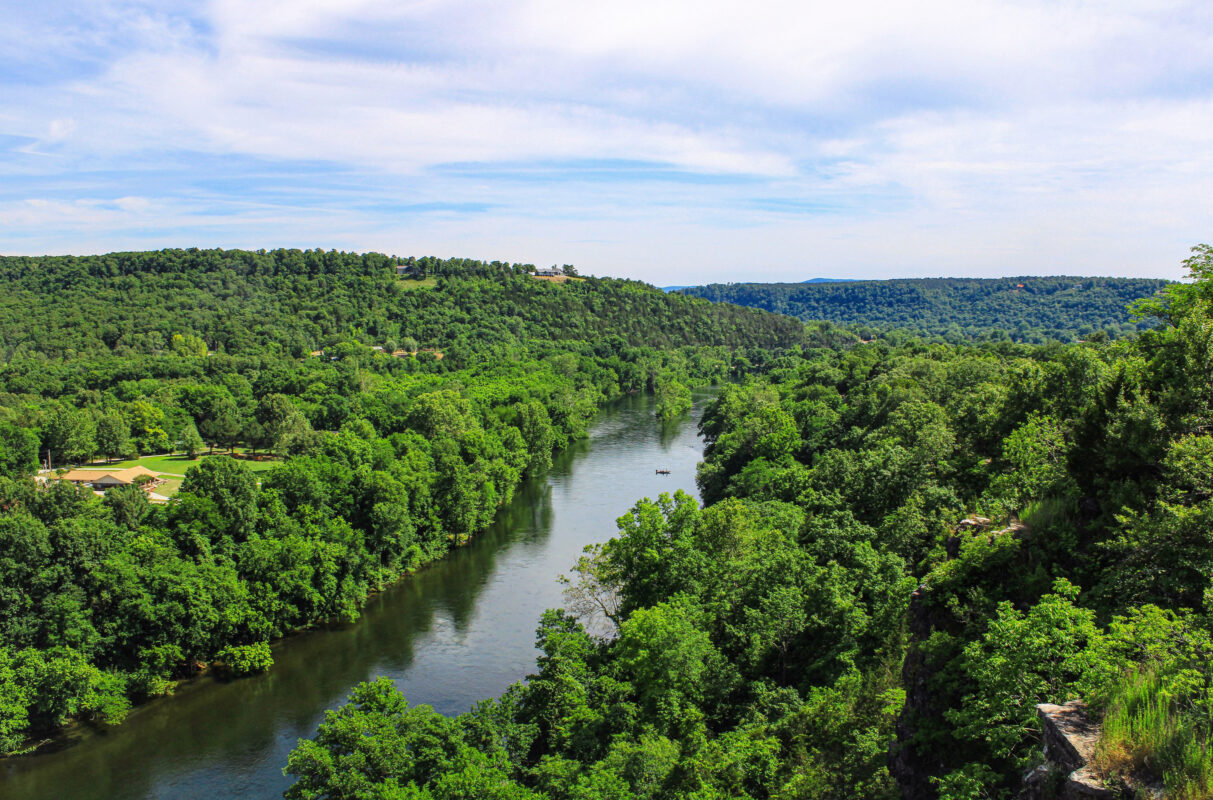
904	544
1026	309
399	411
903	548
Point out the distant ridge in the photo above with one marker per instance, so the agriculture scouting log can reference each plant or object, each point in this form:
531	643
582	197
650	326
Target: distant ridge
1022	309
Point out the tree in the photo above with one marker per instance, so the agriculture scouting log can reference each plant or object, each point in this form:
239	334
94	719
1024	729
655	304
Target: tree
148	423
67	434
282	423
375	746
113	435
232	487
191	441
673	399
188	345
18	451
128	504
1025	659
223	425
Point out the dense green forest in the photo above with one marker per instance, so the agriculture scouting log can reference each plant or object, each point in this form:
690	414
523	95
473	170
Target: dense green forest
1027	309
904	547
400	412
291	302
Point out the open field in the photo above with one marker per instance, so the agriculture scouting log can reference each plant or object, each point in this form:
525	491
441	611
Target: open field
177	464
409	284
170	487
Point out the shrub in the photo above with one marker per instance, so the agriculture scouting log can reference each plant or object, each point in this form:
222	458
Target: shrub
246	659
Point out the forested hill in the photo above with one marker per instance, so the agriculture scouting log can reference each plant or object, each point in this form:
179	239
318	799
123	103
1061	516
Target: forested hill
295	302
1025	309
371	421
905	547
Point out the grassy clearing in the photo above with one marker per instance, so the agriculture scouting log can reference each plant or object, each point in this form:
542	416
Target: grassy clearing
175	464
1158	725
411	284
556	278
170	487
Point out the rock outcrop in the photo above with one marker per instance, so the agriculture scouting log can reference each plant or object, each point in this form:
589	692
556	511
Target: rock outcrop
908	767
911	768
1070	736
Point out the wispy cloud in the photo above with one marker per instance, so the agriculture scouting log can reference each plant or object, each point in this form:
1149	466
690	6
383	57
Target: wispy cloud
675	141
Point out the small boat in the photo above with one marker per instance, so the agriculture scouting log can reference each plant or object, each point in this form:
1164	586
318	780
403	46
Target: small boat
663	472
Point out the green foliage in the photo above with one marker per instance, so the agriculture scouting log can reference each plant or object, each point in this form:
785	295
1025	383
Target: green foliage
179	306
191	442
1162	723
1022	659
673	399
246	659
772	644
1026	309
18	450
1159	706
381	464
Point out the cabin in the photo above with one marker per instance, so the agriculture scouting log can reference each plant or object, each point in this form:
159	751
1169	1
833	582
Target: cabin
547	272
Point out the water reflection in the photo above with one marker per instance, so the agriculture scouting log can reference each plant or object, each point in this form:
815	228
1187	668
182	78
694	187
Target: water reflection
459	631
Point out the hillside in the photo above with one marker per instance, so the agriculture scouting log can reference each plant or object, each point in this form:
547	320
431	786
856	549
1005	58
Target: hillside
242	302
904	548
1025	309
374	420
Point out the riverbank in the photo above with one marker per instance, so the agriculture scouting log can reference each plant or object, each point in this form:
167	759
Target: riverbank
453	633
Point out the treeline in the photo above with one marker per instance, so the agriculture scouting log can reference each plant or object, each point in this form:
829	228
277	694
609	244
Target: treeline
1027	309
110	601
292	302
905	548
387	462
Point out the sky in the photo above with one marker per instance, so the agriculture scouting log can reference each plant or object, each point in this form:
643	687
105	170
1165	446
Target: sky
674	142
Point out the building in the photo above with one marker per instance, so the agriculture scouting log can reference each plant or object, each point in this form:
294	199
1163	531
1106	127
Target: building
102	479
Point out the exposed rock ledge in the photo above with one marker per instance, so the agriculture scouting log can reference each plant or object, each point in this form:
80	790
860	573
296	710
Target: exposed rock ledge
1070	737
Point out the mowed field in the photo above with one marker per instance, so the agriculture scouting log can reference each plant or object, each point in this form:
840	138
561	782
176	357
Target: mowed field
173	467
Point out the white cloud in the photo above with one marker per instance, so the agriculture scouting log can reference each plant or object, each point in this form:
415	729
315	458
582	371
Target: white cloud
943	126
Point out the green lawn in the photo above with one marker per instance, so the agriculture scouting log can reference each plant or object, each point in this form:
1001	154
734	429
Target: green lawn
174	464
409	284
170	487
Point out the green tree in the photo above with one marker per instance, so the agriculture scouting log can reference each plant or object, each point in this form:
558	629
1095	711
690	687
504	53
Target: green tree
18	450
191	442
128	504
113	435
67	435
231	487
673	399
188	345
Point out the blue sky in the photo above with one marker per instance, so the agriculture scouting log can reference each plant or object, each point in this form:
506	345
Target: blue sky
676	142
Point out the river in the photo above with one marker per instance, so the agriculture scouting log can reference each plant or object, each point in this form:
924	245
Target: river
459	631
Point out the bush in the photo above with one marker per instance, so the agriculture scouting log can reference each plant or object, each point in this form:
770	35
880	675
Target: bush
246	659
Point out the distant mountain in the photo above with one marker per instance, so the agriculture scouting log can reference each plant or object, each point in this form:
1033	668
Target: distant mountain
1031	309
828	280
